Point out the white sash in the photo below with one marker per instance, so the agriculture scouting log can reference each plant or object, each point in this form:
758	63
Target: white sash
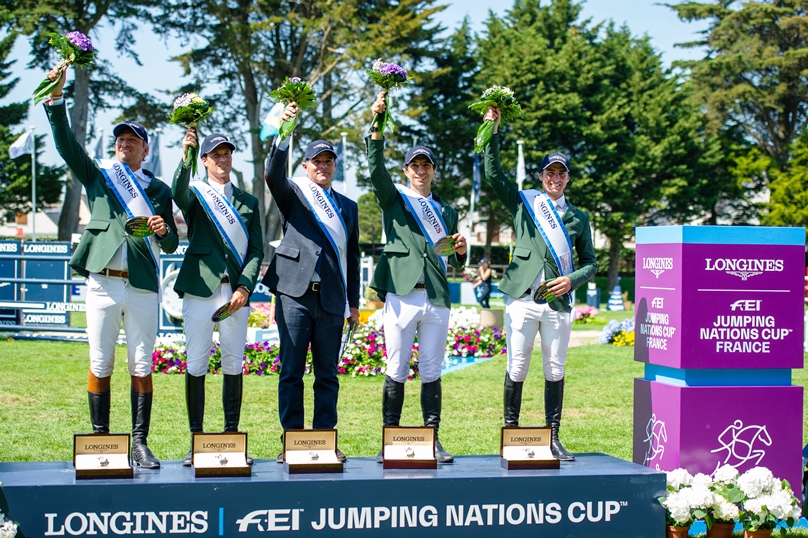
227	220
428	216
544	215
130	194
330	220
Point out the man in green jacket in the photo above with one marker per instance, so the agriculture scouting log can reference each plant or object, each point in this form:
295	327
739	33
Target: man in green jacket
220	268
121	269
411	278
541	278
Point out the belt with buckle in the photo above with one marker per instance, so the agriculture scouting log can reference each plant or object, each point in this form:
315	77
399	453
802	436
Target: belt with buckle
113	272
225	279
314	286
420	285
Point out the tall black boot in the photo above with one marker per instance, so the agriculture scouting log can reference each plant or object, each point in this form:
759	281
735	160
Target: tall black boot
232	389
431	396
553	403
195	402
99	411
392	403
513	400
141	420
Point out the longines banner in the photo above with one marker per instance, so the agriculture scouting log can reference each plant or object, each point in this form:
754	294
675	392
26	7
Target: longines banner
720	297
597	495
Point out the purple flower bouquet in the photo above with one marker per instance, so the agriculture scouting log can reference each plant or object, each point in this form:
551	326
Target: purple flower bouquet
74	48
387	76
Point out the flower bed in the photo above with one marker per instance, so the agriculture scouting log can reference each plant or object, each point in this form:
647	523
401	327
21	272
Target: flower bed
618	333
365	355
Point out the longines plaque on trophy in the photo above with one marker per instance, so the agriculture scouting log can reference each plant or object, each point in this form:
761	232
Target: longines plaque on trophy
220	454
101	455
409	447
527	448
311	451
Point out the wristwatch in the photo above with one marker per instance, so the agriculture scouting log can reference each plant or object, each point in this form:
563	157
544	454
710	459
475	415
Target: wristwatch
374	128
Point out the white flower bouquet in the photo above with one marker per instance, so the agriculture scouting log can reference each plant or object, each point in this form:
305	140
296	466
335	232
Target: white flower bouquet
767	501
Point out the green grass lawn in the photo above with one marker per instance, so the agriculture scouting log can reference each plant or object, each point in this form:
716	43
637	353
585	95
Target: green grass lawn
43	402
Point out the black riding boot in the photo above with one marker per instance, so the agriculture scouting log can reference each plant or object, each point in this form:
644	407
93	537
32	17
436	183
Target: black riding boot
231	401
195	402
553	402
392	403
141	420
99	411
513	400
431	395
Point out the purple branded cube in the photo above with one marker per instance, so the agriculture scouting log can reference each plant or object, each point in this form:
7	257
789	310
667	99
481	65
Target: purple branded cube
720	297
703	428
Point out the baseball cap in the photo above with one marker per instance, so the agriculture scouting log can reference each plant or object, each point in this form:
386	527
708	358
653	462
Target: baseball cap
317	147
213	141
555	157
135	127
417	151
484	260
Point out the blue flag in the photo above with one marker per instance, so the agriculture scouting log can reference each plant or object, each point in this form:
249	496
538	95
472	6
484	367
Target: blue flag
475	185
152	161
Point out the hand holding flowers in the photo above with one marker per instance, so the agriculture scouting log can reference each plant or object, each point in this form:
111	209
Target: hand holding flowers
190	110
387	76
498	97
74	48
295	91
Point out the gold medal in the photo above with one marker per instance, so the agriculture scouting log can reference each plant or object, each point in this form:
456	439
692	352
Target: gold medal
444	246
221	313
137	227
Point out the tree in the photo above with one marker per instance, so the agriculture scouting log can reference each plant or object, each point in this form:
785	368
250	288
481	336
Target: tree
38	18
16	174
370	221
602	96
755	71
249	46
789	190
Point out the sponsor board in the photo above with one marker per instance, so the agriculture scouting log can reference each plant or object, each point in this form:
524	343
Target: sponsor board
602	496
716	306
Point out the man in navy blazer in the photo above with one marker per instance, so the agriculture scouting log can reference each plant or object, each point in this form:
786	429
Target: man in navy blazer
308	312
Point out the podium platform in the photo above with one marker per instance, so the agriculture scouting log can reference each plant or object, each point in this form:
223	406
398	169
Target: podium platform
596	495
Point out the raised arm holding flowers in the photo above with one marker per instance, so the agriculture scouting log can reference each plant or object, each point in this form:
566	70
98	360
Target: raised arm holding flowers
74	48
294	91
507	107
191	111
387	76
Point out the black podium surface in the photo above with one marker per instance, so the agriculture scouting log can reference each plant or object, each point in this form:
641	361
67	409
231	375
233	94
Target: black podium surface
596	495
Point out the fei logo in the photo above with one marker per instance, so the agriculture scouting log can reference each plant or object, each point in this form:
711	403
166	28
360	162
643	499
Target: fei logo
743	444
656	435
746	305
271	520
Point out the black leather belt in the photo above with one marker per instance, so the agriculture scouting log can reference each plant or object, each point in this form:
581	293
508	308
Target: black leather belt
113	272
420	286
225	279
314	286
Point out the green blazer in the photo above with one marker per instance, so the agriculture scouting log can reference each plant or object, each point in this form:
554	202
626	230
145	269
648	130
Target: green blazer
407	253
104	234
531	252
207	256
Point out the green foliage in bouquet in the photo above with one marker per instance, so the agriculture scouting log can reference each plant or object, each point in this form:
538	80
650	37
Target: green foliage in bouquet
387	76
499	97
293	91
190	110
74	48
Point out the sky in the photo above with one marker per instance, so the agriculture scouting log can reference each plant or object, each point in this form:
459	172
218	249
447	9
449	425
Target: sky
643	17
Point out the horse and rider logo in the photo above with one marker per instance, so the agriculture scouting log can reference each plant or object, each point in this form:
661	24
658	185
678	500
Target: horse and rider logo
739	444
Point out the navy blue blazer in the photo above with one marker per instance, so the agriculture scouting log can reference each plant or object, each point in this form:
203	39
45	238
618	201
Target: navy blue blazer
294	260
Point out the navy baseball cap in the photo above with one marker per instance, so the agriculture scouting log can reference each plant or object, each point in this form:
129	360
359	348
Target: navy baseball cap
555	157
317	147
213	141
136	128
419	151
